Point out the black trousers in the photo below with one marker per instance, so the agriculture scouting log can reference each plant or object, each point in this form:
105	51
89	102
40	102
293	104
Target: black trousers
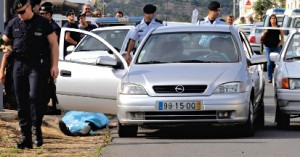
30	81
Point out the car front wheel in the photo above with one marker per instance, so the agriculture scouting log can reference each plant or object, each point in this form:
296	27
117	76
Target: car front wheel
127	130
248	128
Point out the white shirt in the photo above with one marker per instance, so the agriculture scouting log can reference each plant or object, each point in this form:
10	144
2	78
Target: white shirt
206	21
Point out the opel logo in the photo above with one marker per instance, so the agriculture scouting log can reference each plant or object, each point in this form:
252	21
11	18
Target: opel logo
179	89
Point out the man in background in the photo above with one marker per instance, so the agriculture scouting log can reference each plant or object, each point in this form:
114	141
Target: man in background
119	14
148	23
230	20
213	14
84	25
46	10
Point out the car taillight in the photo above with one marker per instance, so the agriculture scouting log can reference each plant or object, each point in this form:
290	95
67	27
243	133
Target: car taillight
252	39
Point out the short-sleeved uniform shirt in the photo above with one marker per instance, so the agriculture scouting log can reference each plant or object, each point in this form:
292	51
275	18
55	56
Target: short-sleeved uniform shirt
88	28
55	27
29	36
206	21
74	35
142	29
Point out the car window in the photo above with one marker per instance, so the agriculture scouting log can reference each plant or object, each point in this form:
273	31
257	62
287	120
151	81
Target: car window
89	43
189	47
114	37
294	47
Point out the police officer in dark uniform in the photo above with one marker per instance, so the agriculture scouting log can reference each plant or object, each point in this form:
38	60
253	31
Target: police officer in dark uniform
142	28
72	38
35	54
213	15
46	10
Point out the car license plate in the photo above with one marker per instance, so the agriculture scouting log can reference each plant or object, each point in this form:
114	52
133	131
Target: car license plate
173	105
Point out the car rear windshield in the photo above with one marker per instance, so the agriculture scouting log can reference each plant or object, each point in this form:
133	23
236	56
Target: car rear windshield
196	47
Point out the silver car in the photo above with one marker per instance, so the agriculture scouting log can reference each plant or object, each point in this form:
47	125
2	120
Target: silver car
287	81
175	79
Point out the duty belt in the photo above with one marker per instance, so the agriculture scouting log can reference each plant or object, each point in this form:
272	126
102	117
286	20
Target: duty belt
31	57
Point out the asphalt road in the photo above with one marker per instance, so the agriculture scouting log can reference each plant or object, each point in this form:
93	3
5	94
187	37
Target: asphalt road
212	142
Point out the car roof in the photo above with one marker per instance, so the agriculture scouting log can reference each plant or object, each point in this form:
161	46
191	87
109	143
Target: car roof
193	27
112	28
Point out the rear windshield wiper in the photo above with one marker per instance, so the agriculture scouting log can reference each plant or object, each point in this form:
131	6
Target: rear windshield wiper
152	62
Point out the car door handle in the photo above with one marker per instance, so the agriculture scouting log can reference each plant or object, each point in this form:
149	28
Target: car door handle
65	73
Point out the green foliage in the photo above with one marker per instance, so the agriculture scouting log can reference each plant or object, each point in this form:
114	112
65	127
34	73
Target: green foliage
172	10
261	6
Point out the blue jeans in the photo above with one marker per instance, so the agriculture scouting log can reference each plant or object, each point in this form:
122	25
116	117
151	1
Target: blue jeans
270	64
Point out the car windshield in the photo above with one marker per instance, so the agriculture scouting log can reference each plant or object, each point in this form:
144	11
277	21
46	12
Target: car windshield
197	47
293	52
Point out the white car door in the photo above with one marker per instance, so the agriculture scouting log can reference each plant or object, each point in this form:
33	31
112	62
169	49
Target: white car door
89	87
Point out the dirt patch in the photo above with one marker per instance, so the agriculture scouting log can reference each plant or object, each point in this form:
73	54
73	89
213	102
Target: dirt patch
55	142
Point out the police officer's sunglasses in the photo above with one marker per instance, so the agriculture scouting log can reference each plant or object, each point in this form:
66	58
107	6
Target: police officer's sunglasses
22	11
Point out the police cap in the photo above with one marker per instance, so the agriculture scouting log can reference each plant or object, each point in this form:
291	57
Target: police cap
214	5
35	2
46	7
149	9
71	11
19	4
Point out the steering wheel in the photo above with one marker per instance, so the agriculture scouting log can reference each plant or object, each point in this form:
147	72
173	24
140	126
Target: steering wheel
216	57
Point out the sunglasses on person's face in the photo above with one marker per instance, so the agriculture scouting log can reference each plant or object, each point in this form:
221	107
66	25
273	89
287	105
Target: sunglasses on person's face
21	12
71	14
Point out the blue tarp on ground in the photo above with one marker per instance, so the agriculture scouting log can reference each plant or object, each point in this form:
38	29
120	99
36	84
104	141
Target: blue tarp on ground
82	123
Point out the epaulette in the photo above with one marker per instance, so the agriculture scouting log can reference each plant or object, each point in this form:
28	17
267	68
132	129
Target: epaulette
222	20
158	21
201	19
138	23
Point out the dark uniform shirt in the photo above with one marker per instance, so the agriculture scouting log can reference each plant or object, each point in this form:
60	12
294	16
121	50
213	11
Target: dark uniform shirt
56	28
30	36
88	28
74	35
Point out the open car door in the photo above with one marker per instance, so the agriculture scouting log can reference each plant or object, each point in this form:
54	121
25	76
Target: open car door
89	85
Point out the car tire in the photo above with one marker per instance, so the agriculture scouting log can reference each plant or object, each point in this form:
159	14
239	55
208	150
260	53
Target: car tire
260	121
248	128
283	120
127	130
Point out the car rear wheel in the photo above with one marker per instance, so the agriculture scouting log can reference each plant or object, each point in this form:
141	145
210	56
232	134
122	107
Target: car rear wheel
127	130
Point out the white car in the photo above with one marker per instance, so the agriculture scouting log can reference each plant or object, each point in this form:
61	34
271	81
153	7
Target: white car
89	48
172	80
286	80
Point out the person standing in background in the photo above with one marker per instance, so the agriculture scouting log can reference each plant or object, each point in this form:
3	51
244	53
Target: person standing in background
46	10
140	30
72	38
230	20
119	14
36	4
84	25
273	40
213	14
35	54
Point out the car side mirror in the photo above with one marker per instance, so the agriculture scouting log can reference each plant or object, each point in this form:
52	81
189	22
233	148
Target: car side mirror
70	49
274	56
106	61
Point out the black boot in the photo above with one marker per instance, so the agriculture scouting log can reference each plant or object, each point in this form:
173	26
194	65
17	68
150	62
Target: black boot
26	142
38	137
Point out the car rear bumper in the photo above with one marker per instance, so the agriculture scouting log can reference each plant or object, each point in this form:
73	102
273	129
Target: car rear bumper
289	101
143	110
